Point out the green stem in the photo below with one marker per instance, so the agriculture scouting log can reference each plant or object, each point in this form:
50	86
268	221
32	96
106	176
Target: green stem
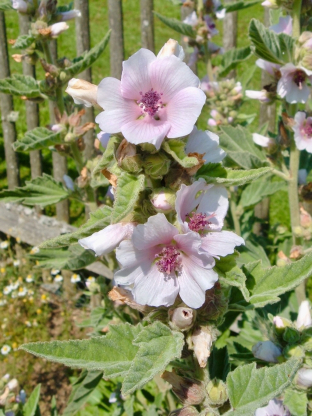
77	156
293	190
47	52
208	63
281	174
234	213
296	18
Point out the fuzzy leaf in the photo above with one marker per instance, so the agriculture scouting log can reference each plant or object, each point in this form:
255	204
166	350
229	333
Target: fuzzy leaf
175	148
41	191
98	220
87	59
270	46
231	177
106	162
252	251
6	5
176	25
20	85
73	258
23	42
126	195
36	139
240	5
266	285
258	190
81	391
31	407
249	388
113	353
158	346
232	58
239	146
296	401
236	278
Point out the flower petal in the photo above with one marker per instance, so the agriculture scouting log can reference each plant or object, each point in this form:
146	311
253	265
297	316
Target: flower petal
207	143
170	75
129	256
112	121
190	244
135	74
221	243
215	203
186	199
146	130
183	111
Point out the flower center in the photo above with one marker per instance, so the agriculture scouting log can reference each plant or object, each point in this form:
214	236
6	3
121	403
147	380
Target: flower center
150	102
169	260
197	221
307	129
299	77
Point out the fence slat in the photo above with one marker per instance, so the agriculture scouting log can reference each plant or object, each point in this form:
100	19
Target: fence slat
83	44
147	24
230	34
6	106
116	40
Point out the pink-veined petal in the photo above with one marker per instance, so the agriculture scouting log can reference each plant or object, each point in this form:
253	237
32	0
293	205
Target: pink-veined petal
113	121
146	130
109	95
214	203
186	199
190	244
128	256
183	111
221	243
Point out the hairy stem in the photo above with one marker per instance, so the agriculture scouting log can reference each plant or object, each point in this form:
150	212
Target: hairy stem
235	217
296	18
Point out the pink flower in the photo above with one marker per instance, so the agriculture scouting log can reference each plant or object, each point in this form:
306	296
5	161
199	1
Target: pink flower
262	96
292	86
106	240
284	25
211	26
154	99
269	67
191	19
274	408
204	215
20	5
206	143
303	131
159	264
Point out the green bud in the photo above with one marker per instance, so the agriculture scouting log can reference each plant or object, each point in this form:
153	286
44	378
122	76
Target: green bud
186	411
132	164
291	335
233	114
70	138
148	147
157	165
217	392
188	391
62	76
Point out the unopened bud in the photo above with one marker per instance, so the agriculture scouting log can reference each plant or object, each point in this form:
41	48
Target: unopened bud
181	318
12	384
127	157
298	231
296	252
305	218
217	392
83	92
291	335
171	48
124	297
304	377
187	390
71	14
70	138
58	28
18	58
202	339
157	165
304	319
266	351
20	5
278	322
186	411
163	200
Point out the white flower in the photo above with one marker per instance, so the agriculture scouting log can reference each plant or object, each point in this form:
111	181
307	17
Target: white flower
58	28
4	244
29	278
262	96
7	290
16	263
293	83
71	14
304	319
304	377
12	384
34	250
58	278
262	141
191	19
266	351
20	5
75	278
83	92
274	408
206	143
5	349
55	272
91	279
303	131
22	291
15	285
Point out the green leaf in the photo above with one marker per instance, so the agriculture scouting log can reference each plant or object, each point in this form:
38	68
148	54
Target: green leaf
73	258
20	85
236	278
158	346
270	46
87	59
251	252
240	5
231	177
41	191
249	388
247	76
175	148
53	407
36	139
98	220
113	353
176	25
81	391
107	160
296	401
258	190
240	147
219	365
126	195
266	285
6	5
232	58
31	407
23	42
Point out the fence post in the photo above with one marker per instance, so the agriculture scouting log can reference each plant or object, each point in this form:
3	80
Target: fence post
32	109
6	106
185	11
230	34
83	44
147	24
59	162
116	39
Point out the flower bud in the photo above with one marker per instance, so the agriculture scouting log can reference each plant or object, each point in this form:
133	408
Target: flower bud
171	47
266	351
181	318
304	319
296	252
304	377
83	92
163	200
202	339
263	96
217	392
12	384
69	182
20	5
187	390
271	4
156	166
127	157
58	28
291	335
305	218
186	411
71	14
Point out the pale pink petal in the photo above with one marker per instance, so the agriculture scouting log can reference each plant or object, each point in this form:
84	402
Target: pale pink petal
128	256
157	230
261	140
107	240
155	289
109	95
214	203
146	130
190	244
135	74
268	66
186	200
112	121
127	275
221	243
169	75
304	319
284	25
207	143
183	111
